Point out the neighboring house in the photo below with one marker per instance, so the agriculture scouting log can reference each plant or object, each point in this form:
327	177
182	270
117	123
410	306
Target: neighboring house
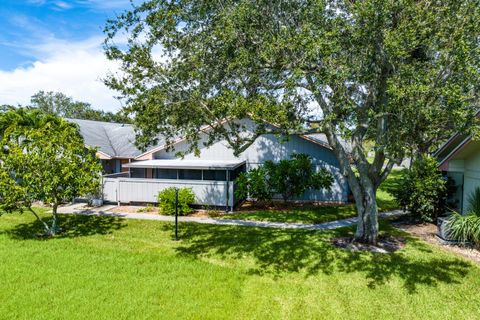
211	175
459	158
115	143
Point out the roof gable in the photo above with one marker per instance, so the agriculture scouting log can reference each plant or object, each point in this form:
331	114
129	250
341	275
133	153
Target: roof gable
113	139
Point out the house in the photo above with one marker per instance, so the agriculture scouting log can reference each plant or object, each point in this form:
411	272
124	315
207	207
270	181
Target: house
459	159
211	174
114	142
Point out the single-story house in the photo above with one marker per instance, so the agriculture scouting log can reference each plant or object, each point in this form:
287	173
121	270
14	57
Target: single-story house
211	174
459	159
114	143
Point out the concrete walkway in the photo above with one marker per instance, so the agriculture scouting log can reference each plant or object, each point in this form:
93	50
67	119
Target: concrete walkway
104	211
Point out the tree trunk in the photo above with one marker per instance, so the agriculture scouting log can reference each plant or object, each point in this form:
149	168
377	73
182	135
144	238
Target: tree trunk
55	228
367	225
45	225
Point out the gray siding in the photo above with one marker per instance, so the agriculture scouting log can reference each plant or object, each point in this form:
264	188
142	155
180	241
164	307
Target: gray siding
268	147
127	190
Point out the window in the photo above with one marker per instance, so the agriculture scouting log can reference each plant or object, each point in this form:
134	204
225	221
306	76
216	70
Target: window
235	173
137	172
190	174
214	175
165	174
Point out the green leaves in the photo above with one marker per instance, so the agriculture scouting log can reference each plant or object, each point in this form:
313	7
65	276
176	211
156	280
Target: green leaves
61	105
463	228
413	65
46	160
423	190
466	228
289	178
166	201
401	74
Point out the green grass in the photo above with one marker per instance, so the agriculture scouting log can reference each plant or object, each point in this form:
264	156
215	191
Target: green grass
319	214
108	268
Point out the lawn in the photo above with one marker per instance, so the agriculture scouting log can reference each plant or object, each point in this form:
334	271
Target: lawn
109	268
319	214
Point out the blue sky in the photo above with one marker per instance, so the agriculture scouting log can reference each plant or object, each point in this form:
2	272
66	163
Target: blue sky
55	45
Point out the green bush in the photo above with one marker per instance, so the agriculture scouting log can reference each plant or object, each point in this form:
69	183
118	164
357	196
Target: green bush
166	201
253	184
293	177
466	228
422	190
289	178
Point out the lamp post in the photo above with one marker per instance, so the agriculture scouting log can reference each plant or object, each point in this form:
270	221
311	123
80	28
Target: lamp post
176	214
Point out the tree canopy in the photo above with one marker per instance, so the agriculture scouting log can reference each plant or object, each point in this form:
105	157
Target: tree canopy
61	105
43	158
400	74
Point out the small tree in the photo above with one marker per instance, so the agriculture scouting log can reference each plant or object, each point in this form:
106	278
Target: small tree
43	158
423	190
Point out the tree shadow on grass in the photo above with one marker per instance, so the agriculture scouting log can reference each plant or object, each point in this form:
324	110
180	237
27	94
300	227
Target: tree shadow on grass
279	252
73	226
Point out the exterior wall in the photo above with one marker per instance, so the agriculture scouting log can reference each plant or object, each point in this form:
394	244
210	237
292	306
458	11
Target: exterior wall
456	165
127	190
113	166
268	147
471	178
124	161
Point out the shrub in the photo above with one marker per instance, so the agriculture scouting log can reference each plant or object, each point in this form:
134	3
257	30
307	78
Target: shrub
253	184
466	228
289	178
422	190
293	177
166	200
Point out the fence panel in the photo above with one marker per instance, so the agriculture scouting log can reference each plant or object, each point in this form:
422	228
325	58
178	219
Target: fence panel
126	190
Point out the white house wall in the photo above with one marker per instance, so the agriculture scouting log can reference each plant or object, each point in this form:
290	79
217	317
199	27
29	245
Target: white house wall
268	147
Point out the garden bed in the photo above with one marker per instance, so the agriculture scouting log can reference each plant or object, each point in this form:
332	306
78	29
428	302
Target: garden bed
428	232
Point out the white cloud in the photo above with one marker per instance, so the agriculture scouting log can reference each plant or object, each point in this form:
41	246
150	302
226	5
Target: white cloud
62	5
74	68
105	4
94	4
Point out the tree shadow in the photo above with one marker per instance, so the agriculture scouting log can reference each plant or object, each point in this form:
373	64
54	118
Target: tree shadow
73	226
279	252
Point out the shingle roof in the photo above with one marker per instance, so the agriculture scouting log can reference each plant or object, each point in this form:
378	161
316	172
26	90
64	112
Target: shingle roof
113	139
321	138
118	140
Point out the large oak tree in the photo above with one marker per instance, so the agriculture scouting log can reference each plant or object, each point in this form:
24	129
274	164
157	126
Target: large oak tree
400	74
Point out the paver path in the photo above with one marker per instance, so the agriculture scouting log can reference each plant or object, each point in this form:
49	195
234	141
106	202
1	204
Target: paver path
103	211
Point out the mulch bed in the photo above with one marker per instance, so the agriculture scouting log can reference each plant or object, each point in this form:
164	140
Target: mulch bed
385	244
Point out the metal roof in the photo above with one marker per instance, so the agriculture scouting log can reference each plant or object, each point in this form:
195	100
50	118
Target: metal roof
113	139
186	164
